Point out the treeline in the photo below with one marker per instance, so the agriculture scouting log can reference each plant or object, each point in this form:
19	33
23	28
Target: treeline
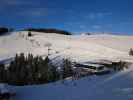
4	30
117	66
29	70
50	30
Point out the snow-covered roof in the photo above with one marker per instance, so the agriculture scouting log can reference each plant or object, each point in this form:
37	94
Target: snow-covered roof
91	64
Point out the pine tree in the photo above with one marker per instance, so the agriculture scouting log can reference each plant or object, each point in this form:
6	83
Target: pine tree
2	73
12	76
53	74
17	70
43	69
30	70
67	68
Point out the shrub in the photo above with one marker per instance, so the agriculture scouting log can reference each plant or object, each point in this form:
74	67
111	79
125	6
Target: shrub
29	34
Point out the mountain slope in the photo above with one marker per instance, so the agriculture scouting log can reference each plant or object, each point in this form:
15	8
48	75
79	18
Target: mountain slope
78	48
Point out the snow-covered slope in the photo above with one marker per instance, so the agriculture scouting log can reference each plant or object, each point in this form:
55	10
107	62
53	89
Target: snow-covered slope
78	48
118	86
115	86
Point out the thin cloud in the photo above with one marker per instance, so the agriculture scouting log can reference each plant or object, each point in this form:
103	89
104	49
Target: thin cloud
98	15
96	27
91	16
34	12
102	14
12	2
7	3
82	26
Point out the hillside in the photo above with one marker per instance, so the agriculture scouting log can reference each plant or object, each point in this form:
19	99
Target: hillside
80	48
77	47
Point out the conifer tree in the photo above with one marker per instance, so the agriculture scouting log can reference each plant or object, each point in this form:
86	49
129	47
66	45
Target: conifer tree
30	70
2	73
67	68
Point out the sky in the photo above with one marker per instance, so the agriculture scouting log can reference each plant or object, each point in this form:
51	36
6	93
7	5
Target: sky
112	16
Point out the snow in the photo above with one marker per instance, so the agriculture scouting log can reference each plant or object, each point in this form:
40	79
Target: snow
116	86
4	88
80	48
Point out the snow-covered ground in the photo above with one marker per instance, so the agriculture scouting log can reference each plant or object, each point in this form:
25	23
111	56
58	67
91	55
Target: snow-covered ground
78	48
117	86
81	48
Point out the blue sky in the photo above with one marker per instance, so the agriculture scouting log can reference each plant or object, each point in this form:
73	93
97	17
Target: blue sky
114	16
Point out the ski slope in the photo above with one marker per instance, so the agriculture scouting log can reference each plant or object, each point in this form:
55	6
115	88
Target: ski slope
76	47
